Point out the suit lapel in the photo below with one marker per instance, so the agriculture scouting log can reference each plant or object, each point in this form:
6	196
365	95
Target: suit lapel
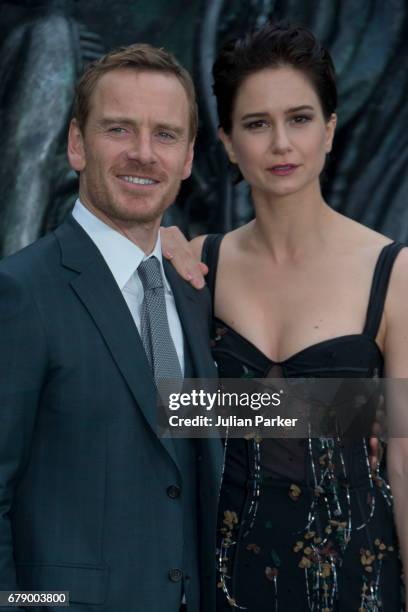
193	313
194	320
98	291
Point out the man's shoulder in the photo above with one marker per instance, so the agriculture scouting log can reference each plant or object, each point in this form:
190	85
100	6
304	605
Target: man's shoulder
29	262
45	255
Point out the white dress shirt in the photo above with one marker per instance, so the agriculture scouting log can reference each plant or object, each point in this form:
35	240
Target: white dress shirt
123	258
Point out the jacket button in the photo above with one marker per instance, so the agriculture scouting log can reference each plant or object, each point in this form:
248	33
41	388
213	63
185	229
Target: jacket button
173	491
175	574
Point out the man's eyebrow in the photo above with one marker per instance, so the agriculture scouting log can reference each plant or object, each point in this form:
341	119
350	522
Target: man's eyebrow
109	120
292	109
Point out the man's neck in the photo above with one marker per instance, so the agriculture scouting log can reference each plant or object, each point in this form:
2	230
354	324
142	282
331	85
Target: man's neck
143	235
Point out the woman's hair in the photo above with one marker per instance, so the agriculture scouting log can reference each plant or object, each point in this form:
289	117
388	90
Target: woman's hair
273	45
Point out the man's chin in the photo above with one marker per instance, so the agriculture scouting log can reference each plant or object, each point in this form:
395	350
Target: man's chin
141	216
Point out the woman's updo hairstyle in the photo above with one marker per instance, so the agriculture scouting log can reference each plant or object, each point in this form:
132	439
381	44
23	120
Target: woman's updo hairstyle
271	46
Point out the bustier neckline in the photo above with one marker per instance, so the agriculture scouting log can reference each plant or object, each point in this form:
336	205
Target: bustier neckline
316	345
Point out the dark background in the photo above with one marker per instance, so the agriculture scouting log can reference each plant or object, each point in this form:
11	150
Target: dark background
44	46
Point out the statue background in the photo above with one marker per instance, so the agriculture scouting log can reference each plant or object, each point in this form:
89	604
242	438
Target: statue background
44	45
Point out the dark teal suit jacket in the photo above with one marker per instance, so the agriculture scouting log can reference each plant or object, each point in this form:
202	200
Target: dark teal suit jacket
83	477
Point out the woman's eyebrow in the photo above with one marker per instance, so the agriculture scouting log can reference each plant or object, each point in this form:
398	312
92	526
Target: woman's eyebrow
296	109
254	115
292	109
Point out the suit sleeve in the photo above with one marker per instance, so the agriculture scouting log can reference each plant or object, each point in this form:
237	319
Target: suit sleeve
22	368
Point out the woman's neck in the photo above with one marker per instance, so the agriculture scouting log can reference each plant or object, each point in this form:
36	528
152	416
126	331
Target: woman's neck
289	227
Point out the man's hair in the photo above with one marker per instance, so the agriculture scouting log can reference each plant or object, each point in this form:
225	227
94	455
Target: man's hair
141	57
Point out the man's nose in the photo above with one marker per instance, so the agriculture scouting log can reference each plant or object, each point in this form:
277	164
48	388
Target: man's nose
142	149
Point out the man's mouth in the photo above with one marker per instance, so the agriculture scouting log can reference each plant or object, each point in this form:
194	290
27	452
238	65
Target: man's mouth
138	180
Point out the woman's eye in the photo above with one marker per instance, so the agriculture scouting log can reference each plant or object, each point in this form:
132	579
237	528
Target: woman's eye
254	125
301	119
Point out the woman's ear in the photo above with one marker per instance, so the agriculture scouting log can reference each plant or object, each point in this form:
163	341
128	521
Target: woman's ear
330	129
226	141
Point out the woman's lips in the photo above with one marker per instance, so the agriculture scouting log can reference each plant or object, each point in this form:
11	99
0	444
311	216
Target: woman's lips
283	169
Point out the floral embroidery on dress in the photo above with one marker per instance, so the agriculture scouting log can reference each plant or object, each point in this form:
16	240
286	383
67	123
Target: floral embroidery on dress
229	532
322	545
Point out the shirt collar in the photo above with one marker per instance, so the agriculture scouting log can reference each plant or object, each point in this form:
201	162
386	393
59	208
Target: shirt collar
121	254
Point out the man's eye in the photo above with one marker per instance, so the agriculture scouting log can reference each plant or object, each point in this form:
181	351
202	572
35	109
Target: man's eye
117	130
166	136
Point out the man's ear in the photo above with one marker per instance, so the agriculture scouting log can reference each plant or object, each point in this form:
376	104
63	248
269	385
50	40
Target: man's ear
226	141
188	164
75	150
330	129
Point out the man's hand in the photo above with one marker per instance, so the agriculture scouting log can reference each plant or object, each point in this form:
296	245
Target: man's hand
375	453
177	249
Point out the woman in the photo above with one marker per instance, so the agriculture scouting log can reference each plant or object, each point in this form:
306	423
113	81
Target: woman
301	289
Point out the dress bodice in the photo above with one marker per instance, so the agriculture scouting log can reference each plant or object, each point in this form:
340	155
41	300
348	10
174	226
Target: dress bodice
350	354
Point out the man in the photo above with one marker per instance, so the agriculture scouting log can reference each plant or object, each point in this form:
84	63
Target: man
91	500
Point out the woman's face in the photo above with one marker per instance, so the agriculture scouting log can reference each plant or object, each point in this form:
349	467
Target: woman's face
279	136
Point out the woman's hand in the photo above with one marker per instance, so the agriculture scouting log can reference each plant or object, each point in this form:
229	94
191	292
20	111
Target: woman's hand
177	249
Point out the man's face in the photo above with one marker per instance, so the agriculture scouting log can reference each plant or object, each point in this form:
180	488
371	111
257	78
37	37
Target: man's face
136	147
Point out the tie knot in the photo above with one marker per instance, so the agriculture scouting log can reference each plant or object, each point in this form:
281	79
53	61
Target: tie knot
150	273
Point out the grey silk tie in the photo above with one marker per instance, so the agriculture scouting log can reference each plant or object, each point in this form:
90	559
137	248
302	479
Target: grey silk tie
154	325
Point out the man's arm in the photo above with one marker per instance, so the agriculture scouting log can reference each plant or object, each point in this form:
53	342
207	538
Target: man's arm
184	255
22	367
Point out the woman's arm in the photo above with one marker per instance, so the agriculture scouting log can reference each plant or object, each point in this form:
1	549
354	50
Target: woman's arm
184	255
396	367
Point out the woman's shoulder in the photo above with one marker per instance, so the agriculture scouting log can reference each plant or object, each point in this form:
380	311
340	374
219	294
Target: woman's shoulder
360	243
398	286
362	236
204	242
366	251
207	247
197	244
371	243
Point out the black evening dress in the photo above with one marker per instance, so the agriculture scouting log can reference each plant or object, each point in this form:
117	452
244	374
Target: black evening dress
303	523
